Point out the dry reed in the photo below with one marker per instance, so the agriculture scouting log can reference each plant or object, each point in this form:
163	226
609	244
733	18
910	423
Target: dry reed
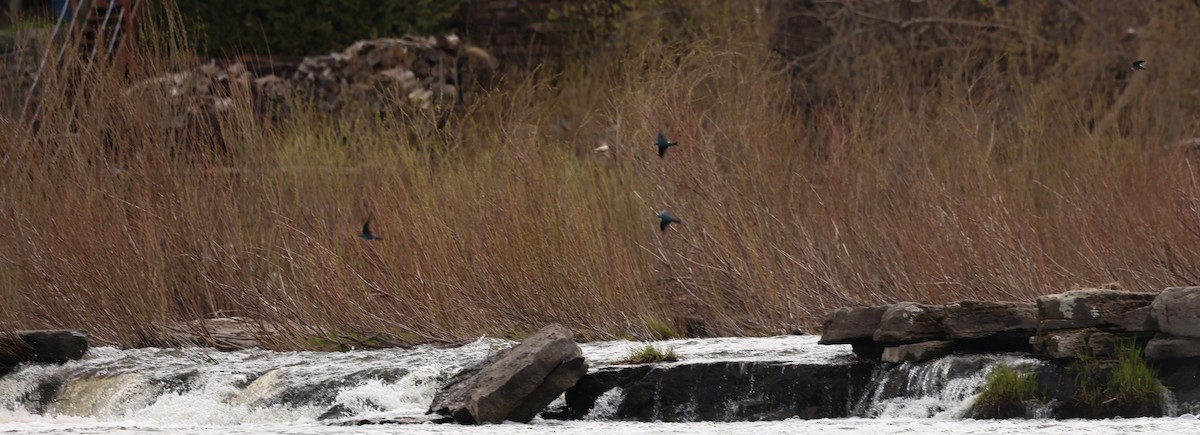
1001	166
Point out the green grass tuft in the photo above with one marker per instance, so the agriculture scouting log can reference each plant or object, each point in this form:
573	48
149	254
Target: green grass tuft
1007	389
650	354
1132	380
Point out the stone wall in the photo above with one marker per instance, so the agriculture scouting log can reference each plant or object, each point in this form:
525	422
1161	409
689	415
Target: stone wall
1059	326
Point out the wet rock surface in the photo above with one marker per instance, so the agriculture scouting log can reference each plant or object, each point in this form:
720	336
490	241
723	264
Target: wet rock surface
516	383
55	346
721	391
1078	337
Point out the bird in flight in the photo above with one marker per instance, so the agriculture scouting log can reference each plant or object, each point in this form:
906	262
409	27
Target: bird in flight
366	232
1139	64
662	143
665	219
603	148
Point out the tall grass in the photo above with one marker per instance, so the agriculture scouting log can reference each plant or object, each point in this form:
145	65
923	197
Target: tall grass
885	173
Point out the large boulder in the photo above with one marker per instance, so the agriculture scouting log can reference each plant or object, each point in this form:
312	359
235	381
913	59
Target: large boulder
41	346
1106	309
1177	311
516	383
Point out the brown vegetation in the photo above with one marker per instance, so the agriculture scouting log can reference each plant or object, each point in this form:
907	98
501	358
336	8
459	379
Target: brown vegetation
902	158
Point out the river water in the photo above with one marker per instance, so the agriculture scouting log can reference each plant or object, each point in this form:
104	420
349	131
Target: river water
201	391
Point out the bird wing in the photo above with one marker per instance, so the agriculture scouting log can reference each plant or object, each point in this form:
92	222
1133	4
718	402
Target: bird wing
662	225
661	150
661	137
367	227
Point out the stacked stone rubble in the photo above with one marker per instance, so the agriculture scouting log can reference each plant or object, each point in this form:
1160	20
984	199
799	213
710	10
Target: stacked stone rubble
374	75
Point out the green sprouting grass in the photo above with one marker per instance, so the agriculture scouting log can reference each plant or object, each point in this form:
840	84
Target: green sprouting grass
650	354
1132	380
1006	387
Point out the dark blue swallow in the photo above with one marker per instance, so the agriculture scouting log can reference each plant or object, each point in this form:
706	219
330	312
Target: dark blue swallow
366	232
665	219
1139	64
662	143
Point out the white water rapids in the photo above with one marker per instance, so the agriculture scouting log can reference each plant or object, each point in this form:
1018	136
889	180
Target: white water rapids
201	391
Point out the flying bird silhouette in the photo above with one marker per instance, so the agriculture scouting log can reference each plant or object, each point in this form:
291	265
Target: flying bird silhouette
366	232
1139	64
662	143
665	219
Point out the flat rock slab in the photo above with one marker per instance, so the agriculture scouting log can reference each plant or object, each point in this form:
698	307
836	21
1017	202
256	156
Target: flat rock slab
722	391
978	319
1089	308
908	322
516	383
1177	311
55	346
224	333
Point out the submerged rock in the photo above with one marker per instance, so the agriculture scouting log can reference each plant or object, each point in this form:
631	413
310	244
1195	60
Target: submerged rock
515	384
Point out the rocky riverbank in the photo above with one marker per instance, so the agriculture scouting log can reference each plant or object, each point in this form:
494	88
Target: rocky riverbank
1095	353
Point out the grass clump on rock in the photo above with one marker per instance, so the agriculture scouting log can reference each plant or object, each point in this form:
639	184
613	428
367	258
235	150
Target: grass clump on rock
650	354
1124	387
1005	394
1133	385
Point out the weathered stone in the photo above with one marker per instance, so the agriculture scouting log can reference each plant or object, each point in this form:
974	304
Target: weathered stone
722	391
41	346
918	352
1070	343
981	326
1139	320
563	377
1176	311
1088	308
851	324
1164	346
976	319
908	322
517	382
224	333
